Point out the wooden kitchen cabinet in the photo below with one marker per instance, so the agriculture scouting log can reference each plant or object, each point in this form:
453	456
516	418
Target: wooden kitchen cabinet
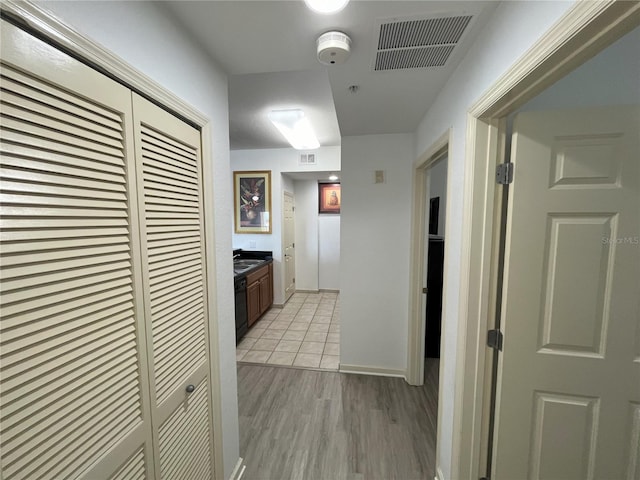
253	302
259	292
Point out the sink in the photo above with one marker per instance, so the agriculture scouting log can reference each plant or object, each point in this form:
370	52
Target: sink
244	264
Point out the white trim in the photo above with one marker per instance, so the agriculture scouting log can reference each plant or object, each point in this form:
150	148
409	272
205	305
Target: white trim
415	339
283	246
328	290
214	338
75	42
238	470
376	371
439	474
584	30
307	291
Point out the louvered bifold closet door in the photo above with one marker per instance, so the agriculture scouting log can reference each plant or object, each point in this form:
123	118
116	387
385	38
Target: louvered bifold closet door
74	388
172	225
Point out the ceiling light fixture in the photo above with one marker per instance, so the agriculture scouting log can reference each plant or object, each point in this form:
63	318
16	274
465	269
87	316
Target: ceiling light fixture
333	177
295	127
326	6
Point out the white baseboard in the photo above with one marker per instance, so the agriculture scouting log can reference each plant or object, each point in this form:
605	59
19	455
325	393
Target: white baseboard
328	290
238	470
439	475
307	291
377	371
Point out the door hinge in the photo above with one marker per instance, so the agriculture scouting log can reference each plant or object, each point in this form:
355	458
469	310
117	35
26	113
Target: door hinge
293	245
504	173
494	339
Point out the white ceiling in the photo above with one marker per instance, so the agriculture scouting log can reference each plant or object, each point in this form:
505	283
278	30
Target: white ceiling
268	49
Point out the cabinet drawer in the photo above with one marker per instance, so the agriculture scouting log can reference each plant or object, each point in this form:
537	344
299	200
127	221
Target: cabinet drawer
258	274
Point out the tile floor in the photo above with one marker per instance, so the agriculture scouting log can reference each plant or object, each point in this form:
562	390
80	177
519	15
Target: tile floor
304	333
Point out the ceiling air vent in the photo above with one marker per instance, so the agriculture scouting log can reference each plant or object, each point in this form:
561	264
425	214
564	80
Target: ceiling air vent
422	43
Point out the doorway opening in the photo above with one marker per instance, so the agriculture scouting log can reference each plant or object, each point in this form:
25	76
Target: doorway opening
430	182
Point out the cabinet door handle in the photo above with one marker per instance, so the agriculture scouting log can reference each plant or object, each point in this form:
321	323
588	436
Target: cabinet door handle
190	388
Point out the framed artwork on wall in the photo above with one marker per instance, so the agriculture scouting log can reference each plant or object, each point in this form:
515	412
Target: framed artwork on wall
252	201
329	198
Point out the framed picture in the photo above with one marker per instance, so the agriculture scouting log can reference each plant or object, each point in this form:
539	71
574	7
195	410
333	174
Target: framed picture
329	198
252	201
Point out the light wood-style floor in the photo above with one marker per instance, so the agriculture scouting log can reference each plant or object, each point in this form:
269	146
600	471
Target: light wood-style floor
313	425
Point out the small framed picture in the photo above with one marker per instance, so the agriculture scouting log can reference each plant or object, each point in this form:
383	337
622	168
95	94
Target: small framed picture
329	198
252	201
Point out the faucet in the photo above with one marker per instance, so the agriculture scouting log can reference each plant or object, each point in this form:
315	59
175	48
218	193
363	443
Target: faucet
236	256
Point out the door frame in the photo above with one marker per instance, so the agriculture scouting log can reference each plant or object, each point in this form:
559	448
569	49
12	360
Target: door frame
72	42
419	229
582	32
284	242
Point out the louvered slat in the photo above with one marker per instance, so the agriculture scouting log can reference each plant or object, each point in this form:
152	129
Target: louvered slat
31	87
69	366
133	469
192	463
168	162
186	348
19	115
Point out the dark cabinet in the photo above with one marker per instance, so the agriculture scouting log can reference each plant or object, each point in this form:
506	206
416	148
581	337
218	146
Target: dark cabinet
253	303
259	293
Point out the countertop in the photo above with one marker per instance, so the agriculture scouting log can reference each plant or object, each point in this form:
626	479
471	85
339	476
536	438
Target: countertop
265	257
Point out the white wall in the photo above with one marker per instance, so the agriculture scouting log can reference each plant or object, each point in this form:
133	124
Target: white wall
514	28
329	252
277	160
375	231
317	241
610	78
438	188
144	35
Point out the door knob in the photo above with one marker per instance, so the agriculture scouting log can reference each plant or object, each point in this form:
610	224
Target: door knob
190	388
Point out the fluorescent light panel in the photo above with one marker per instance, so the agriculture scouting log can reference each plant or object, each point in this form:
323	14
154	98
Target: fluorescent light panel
326	6
295	127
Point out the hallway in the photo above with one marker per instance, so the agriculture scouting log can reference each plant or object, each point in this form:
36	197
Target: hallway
303	424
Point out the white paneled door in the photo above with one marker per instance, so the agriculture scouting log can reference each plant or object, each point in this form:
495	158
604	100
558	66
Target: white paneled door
568	404
289	247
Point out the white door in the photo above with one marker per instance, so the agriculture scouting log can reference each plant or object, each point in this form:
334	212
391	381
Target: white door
289	247
73	374
168	159
568	404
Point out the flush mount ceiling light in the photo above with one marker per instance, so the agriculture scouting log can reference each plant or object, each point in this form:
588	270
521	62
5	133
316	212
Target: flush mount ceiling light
333	177
326	6
295	127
